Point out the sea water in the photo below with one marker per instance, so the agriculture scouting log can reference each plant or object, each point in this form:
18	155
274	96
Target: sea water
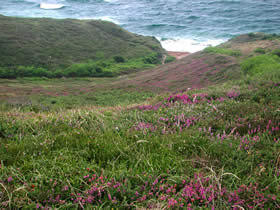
180	25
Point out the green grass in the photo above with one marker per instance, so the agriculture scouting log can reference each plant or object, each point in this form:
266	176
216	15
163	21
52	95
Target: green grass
223	51
170	59
261	65
92	143
134	153
58	44
43	94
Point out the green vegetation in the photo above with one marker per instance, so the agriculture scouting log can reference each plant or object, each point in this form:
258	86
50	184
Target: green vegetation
169	59
262	36
102	68
252	37
223	51
276	52
260	50
49	46
43	94
260	65
148	155
100	143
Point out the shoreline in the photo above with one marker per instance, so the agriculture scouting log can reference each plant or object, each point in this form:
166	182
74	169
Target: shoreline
178	55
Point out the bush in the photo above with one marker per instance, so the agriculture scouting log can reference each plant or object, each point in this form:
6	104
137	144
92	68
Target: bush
276	52
119	59
169	59
153	58
260	50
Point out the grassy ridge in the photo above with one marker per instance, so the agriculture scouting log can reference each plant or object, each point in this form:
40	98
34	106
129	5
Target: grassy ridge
57	44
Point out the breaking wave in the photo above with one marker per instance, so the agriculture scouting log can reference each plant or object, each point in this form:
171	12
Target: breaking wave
51	6
188	45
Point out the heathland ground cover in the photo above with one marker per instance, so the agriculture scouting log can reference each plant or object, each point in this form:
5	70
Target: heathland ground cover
212	147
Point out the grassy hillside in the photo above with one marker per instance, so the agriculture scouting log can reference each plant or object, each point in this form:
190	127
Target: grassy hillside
52	44
208	67
209	147
214	65
216	147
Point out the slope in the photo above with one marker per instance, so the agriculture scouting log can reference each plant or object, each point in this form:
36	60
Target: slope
211	66
53	43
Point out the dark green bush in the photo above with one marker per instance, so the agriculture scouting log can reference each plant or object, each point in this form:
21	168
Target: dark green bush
276	52
153	58
119	59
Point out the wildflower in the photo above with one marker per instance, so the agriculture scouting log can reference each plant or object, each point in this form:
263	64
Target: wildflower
10	179
90	199
232	94
172	202
65	188
221	99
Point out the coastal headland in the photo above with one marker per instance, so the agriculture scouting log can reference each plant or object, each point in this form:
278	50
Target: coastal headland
92	118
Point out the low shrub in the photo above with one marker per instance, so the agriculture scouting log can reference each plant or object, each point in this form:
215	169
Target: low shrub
169	59
276	52
153	58
260	50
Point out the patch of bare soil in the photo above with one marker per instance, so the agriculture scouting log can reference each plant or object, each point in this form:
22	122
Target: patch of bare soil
178	55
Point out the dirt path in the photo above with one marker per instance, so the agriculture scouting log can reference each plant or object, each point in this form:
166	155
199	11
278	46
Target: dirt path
178	55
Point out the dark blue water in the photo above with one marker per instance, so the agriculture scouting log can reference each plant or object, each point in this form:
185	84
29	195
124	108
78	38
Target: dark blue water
187	25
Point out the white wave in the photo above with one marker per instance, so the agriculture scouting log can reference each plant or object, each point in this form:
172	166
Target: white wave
51	6
111	1
188	45
32	1
110	19
106	18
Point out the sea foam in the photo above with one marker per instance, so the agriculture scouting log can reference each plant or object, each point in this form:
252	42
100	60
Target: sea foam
188	45
51	6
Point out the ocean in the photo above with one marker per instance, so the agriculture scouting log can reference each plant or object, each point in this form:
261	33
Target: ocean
180	25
